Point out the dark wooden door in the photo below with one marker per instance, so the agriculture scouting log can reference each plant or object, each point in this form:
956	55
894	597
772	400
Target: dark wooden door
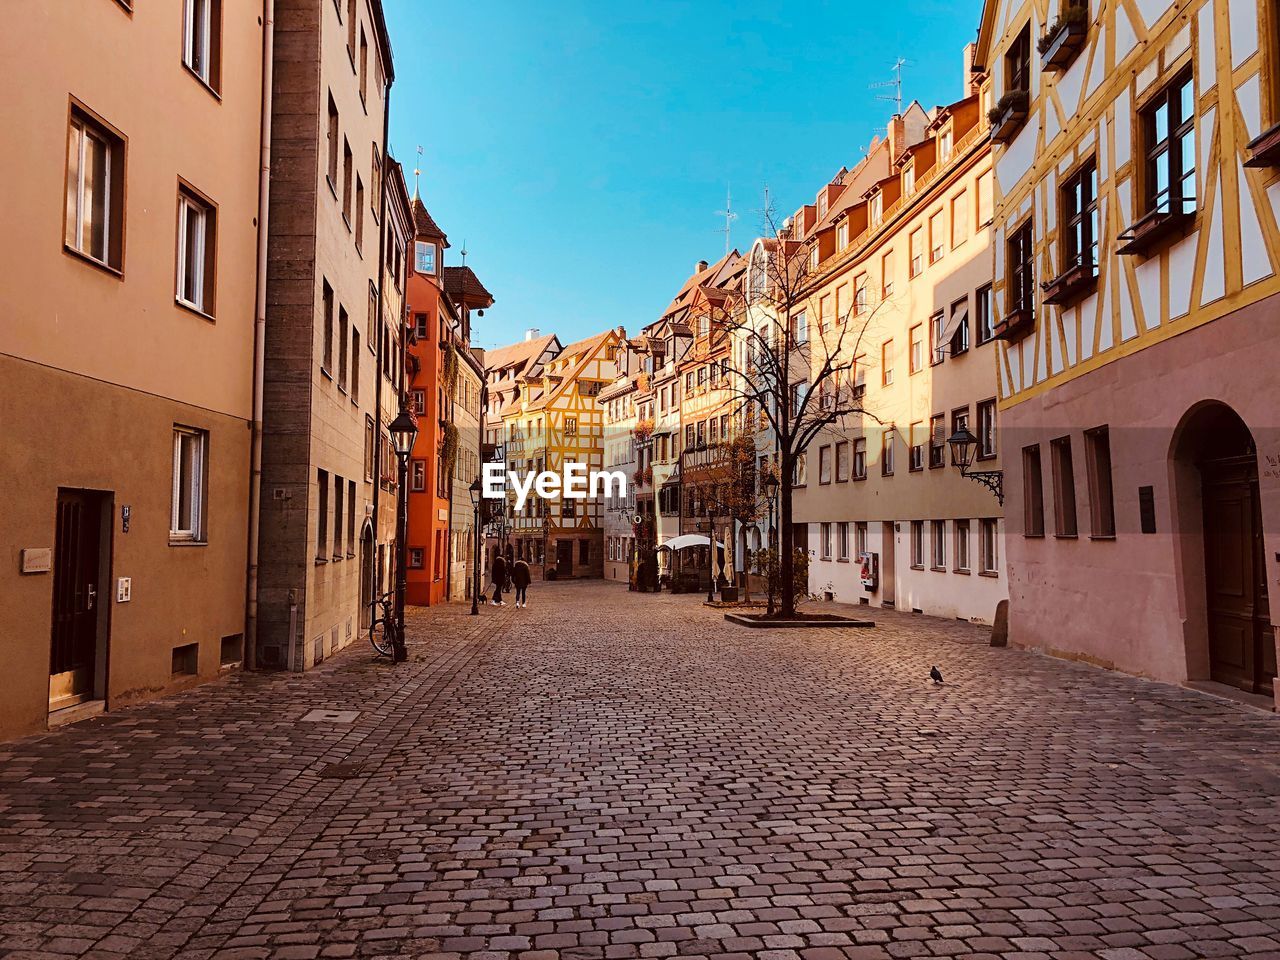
77	561
564	558
1241	645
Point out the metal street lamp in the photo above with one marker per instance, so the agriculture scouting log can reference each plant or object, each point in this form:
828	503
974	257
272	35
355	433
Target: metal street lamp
475	564
711	558
404	431
771	488
963	446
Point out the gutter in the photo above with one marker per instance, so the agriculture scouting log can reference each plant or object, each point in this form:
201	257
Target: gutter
379	365
259	344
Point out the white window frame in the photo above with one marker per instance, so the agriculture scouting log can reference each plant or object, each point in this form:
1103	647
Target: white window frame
188	209
939	544
826	541
962	546
198	61
194	530
989	560
419	248
85	131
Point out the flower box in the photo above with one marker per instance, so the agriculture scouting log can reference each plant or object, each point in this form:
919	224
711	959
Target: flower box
1152	231
1015	325
1008	115
1070	285
1264	151
1064	41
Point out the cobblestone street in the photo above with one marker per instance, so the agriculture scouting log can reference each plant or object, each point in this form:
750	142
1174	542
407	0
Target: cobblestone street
609	774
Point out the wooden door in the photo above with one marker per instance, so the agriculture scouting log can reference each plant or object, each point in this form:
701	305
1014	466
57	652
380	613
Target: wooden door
1241	645
564	558
888	543
77	560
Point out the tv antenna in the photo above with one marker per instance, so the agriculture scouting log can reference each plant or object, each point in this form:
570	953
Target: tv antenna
417	169
464	251
896	84
729	217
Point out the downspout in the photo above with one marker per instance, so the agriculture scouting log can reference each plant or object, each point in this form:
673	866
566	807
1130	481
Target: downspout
259	344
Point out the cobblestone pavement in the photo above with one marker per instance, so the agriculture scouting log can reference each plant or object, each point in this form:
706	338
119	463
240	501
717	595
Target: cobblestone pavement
624	775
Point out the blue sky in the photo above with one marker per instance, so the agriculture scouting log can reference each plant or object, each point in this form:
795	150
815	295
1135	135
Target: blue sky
582	149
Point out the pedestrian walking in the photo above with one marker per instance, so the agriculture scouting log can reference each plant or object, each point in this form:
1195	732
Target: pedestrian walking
520	578
499	573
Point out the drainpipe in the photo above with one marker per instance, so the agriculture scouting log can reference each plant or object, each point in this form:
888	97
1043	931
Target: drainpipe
259	345
381	360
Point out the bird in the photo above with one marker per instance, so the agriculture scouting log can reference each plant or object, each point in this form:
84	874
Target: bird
935	675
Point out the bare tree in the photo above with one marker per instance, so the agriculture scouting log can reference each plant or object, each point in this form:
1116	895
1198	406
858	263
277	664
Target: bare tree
792	368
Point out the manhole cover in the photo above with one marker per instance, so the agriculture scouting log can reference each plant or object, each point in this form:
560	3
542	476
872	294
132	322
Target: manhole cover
331	716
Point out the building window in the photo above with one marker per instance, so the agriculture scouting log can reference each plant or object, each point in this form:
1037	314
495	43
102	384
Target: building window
959	421
945	145
571	426
1021	271
961	563
917	544
959	327
351	30
1064	488
937	237
909	179
347	170
355	363
937	345
375	184
989	548
351	518
95	191
842	461
332	167
1102	508
1080	219
326	354
860	295
824	464
368	449
915	354
877	208
322	515
886	363
359	213
937	440
1032	492
826	541
842	235
343	324
338	489
959	218
424	257
419	400
197	236
364	66
985	206
800	328
886	275
914	252
860	539
886	451
860	458
842	541
416	557
987	429
1017	62
187	511
916	460
938	544
201	40
985	322
418	476
1169	127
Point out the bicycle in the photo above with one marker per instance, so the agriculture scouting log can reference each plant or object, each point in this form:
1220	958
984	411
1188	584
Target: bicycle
382	632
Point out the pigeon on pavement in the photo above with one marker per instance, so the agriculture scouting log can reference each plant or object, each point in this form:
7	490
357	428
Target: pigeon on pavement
935	674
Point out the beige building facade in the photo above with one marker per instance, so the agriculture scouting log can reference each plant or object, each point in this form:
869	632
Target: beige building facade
904	287
322	336
128	305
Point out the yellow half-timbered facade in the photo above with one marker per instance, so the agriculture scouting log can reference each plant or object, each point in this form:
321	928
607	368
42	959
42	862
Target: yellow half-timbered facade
1137	258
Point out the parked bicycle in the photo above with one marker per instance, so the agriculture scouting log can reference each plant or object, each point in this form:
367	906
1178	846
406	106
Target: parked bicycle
382	632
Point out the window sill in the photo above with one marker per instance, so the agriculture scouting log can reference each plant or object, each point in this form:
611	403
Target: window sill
861	479
917	566
210	88
994	574
983	457
325	370
186	542
1033	536
105	267
351	554
938	569
332	188
1066	536
346	218
842	560
962	572
1104	537
191	308
320	560
337	558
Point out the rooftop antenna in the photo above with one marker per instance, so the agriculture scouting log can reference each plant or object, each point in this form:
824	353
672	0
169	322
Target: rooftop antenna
464	251
729	217
416	171
896	83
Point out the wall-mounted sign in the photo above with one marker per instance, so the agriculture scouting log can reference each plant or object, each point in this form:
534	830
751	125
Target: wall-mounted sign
126	512
37	559
124	589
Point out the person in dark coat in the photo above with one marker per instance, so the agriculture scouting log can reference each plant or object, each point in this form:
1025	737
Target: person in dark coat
499	574
520	579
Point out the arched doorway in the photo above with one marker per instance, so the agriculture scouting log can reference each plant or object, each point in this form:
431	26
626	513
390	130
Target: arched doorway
367	576
1216	474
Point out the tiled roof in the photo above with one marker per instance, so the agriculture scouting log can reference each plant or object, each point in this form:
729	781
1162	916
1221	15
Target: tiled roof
463	286
515	353
423	225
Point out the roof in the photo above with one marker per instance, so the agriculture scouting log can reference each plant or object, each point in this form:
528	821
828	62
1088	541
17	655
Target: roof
463	286
514	353
423	225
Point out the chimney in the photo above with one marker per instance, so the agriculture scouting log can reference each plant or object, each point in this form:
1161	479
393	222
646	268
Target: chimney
531	334
967	83
701	265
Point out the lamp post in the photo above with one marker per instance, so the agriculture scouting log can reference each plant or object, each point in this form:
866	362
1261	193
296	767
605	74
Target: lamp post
963	444
475	536
404	431
771	488
711	558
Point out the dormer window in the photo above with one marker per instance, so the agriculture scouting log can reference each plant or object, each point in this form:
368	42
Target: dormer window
877	208
822	204
842	235
945	145
909	179
813	257
424	257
